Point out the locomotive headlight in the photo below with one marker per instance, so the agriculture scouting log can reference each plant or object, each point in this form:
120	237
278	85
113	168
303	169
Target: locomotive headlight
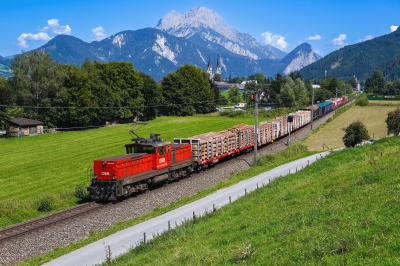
114	177
95	176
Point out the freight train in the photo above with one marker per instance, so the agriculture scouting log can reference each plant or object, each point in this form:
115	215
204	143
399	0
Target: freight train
153	161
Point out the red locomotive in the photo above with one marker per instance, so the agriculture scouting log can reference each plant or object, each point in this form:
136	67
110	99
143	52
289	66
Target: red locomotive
147	162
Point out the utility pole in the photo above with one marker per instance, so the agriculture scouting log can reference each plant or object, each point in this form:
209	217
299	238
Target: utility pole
255	129
312	109
336	100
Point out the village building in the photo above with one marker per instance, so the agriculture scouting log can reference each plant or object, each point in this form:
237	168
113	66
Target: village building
25	127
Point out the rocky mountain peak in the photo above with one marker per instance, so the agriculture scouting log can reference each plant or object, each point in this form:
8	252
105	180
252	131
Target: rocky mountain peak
300	57
205	27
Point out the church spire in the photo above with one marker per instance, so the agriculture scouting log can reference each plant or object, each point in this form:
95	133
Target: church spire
209	68
218	70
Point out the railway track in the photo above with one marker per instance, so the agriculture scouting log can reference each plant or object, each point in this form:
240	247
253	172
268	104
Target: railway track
45	221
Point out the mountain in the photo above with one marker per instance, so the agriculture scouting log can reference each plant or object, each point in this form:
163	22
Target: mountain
360	59
5	70
300	57
391	68
154	52
206	28
157	53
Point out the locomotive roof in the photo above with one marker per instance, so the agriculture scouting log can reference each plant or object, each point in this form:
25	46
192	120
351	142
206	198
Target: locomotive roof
123	156
152	144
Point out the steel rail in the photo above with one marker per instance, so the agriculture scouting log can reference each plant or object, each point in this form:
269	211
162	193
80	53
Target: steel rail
51	219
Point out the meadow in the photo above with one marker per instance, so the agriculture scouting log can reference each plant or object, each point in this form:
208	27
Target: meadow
385	102
331	134
52	164
342	210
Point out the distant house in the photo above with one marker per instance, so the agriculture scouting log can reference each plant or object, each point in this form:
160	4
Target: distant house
224	86
29	127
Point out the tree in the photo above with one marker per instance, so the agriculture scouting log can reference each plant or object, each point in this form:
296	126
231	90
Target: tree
187	90
234	95
250	89
152	95
217	77
376	83
38	81
217	94
301	93
286	96
223	100
322	95
125	83
309	87
362	101
7	99
276	86
355	133
260	78
393	122
353	82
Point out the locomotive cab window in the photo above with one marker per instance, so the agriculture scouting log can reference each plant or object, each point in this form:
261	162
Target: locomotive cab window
142	149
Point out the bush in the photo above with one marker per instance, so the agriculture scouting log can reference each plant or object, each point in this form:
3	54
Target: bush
232	113
223	100
393	122
356	133
81	192
46	204
362	101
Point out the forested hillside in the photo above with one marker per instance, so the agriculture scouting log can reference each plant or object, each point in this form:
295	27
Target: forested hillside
360	59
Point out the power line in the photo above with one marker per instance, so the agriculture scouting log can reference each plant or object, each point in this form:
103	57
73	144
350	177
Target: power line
101	107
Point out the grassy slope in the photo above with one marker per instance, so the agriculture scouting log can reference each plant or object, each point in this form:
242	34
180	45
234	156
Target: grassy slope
56	163
342	210
372	116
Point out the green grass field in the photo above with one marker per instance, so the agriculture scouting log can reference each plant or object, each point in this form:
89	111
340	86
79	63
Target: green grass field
342	210
372	116
385	102
54	164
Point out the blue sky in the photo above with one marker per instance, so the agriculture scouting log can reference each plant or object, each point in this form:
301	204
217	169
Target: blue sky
26	25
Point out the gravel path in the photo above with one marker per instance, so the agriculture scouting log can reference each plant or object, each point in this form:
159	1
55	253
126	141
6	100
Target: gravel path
45	240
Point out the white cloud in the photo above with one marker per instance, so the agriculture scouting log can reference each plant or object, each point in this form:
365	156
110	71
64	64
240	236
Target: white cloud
274	40
98	33
339	40
54	27
314	38
368	37
393	28
41	36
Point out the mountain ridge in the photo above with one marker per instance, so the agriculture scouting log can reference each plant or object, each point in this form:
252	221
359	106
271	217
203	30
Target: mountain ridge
360	59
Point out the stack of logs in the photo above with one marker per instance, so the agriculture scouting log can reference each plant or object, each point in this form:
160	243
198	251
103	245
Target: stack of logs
245	134
215	143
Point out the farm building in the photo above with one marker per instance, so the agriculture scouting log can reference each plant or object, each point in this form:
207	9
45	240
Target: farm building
29	127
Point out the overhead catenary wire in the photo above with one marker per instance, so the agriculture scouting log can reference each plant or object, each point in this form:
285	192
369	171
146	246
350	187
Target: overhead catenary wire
101	107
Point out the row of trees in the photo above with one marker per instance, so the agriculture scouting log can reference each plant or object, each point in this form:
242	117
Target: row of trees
377	83
292	92
97	92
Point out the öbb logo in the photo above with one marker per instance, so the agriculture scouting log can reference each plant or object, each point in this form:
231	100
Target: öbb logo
105	173
161	160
